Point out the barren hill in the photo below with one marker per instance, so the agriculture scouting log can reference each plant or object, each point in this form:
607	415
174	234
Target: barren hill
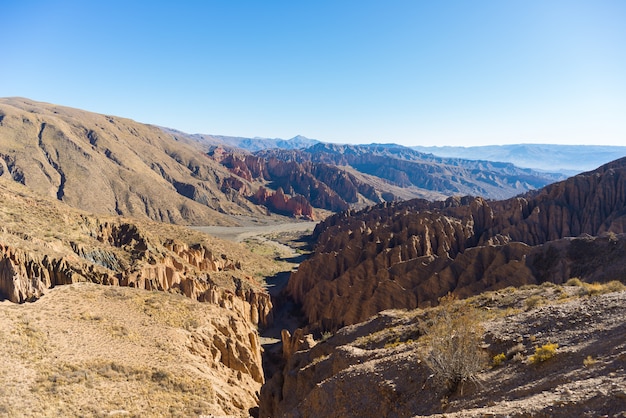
409	254
110	165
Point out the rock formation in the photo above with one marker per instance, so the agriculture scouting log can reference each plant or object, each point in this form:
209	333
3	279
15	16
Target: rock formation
408	254
278	202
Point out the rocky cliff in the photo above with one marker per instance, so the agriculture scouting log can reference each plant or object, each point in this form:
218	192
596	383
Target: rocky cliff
122	253
323	186
408	254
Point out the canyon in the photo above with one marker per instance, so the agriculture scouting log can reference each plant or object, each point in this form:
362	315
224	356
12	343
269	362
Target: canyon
104	289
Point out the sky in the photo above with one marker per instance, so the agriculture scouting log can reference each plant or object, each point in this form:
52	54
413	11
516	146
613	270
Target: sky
420	72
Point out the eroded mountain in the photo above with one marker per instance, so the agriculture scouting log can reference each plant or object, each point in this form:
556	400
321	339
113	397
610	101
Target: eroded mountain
406	168
408	254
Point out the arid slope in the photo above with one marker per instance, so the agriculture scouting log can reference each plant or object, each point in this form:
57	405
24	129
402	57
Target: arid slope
379	367
91	350
104	314
110	165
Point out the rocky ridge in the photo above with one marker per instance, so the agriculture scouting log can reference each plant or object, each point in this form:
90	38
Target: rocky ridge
408	254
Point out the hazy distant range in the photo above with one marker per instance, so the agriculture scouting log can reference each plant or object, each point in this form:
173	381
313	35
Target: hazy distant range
566	159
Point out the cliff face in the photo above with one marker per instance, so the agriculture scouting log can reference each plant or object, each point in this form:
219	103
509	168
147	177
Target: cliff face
320	185
408	254
278	202
123	255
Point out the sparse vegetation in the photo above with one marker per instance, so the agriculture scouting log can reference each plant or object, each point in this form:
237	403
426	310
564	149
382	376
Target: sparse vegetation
498	359
589	361
516	349
533	301
543	353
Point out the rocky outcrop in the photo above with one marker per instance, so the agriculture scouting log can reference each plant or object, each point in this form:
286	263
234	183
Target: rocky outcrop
324	186
44	244
278	202
408	254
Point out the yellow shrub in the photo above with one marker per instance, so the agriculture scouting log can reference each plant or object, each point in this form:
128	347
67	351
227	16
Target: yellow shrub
498	359
544	353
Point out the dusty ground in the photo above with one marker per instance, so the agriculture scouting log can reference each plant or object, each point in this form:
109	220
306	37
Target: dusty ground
251	230
91	350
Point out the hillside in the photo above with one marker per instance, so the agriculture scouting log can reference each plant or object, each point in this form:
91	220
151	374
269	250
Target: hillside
408	254
110	165
380	367
157	293
90	350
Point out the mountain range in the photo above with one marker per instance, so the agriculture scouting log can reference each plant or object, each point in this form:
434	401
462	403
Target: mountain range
566	159
112	165
89	204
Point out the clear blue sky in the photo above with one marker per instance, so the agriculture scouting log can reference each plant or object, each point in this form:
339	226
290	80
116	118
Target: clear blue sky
421	72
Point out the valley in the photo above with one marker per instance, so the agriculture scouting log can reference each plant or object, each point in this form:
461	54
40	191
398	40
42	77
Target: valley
149	272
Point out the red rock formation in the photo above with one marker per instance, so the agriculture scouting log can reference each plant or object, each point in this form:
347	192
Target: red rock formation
278	202
409	254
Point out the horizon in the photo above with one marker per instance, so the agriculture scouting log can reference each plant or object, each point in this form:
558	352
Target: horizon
412	73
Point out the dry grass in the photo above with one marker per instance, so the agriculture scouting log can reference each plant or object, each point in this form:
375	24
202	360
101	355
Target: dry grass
454	338
90	350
